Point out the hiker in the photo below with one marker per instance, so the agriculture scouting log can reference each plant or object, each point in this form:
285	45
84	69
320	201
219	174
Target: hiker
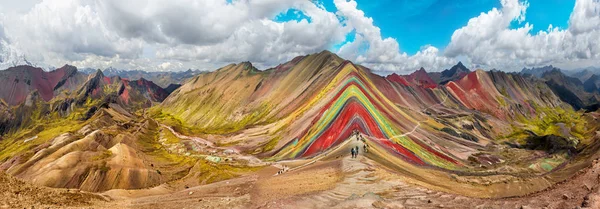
356	150
352	152
365	148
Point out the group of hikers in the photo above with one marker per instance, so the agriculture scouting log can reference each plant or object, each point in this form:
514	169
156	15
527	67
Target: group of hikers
354	150
282	170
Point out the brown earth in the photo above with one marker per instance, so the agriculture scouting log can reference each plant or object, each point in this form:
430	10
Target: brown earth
333	181
338	183
15	193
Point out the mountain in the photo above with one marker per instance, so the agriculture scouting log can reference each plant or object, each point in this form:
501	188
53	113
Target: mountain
418	78
204	101
172	87
583	74
163	79
592	84
538	72
456	72
5	117
128	93
18	82
321	98
92	138
570	90
76	102
487	132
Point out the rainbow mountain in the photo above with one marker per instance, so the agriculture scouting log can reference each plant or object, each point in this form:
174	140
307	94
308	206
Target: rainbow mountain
312	104
458	131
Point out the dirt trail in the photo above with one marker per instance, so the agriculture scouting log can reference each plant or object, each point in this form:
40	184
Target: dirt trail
419	122
366	184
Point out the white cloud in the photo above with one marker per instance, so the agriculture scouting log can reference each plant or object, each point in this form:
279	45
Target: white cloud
382	53
585	17
265	42
58	32
488	40
208	34
201	34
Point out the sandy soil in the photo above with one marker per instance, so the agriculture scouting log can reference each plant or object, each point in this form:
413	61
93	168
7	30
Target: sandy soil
333	181
18	194
340	183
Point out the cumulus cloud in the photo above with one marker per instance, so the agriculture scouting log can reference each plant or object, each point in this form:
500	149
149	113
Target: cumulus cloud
9	56
57	32
380	53
258	38
207	34
198	33
201	34
489	41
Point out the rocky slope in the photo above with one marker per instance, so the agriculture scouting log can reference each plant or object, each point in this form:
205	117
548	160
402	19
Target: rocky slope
79	102
18	82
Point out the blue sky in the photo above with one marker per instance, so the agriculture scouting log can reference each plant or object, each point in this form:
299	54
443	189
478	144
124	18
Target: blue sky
418	23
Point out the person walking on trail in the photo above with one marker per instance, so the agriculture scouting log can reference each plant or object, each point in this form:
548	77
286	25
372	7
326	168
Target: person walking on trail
365	148
356	150
352	152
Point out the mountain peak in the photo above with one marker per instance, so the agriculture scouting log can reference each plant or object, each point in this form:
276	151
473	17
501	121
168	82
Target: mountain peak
329	54
456	72
99	73
460	67
325	52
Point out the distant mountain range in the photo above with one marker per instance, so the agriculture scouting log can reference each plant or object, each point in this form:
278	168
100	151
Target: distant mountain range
582	74
579	88
538	72
163	79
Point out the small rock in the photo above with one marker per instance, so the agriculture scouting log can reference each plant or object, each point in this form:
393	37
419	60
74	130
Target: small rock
428	201
586	204
525	207
379	204
191	193
565	196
